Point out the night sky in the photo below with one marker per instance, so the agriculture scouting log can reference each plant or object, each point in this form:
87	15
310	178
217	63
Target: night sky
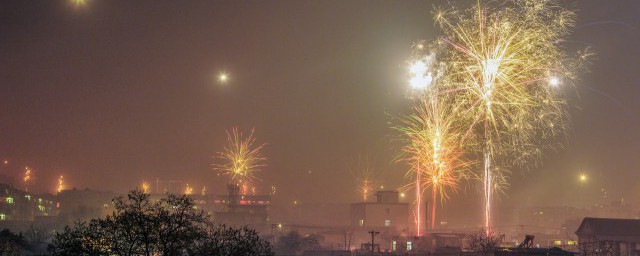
116	92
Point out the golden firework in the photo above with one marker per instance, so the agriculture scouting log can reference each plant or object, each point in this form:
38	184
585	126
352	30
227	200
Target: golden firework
188	190
27	178
145	187
433	149
502	62
240	159
61	185
365	177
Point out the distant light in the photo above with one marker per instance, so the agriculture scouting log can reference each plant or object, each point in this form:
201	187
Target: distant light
79	3
381	187
420	46
402	195
223	78
6	161
583	178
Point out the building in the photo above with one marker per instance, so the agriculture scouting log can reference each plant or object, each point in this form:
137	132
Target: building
241	209
16	205
387	212
436	242
387	215
600	236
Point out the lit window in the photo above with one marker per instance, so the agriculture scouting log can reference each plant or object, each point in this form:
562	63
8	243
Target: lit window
3	217
387	223
361	222
393	246
557	242
9	200
409	246
28	197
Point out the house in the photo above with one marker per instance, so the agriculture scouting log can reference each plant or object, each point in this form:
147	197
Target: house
600	236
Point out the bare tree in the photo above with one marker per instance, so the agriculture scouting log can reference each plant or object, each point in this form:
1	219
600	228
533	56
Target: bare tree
293	243
167	227
483	243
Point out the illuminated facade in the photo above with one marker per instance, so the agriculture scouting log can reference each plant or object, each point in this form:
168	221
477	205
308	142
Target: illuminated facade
19	205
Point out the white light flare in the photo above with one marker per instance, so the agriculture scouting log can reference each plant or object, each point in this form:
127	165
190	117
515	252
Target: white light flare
554	81
421	72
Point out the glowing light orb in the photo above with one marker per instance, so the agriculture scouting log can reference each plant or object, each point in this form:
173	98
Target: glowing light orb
583	178
223	78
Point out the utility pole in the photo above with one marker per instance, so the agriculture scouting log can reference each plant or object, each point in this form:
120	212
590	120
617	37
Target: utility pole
373	235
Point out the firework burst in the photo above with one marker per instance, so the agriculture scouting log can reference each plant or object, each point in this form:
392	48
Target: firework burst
502	62
432	148
188	190
241	159
365	177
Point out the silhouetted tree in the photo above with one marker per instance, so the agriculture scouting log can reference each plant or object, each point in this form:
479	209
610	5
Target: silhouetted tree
225	241
10	243
170	226
293	243
38	234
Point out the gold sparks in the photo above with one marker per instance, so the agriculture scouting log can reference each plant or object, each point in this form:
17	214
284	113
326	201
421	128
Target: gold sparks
240	159
61	185
501	65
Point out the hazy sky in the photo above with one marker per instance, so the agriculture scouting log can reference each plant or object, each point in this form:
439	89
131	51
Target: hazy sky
120	91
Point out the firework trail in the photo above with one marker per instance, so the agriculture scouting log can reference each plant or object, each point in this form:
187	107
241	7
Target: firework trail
241	159
61	185
27	178
499	65
365	177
